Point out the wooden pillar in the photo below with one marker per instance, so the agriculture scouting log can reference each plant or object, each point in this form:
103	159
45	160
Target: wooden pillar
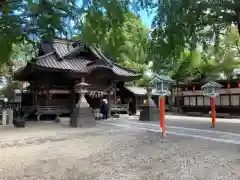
115	91
32	91
72	96
37	94
109	98
109	102
47	95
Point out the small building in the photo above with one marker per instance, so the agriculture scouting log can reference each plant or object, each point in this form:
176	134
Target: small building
59	66
189	97
138	94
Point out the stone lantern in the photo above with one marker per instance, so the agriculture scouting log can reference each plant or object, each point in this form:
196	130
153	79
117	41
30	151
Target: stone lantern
82	115
210	90
149	96
162	83
149	110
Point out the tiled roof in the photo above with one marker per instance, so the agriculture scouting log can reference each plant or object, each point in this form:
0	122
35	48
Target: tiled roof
62	54
212	84
122	71
77	65
50	61
46	47
62	47
140	90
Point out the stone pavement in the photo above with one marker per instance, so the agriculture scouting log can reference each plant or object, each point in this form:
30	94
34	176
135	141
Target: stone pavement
211	134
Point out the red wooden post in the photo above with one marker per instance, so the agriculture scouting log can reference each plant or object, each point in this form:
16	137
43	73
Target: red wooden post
162	115
213	112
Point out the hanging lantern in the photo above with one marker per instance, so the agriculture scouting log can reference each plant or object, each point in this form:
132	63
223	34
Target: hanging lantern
228	85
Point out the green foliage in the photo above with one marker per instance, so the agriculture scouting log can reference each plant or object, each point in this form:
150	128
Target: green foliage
210	62
126	44
181	24
144	81
187	65
31	20
22	52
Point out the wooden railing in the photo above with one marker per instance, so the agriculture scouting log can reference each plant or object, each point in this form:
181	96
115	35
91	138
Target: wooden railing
11	105
52	110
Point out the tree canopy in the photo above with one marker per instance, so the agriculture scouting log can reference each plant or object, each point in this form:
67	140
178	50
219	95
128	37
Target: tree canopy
180	29
126	44
211	62
181	24
31	20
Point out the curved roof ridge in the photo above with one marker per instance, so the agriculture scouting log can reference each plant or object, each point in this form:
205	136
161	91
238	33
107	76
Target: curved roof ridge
45	55
103	57
71	52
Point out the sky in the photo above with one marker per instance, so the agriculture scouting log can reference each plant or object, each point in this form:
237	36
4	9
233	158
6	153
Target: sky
146	18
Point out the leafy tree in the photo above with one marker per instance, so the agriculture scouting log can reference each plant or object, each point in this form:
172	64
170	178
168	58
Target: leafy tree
21	53
210	62
181	24
127	44
32	20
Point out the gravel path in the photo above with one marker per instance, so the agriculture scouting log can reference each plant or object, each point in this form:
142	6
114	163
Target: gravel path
108	152
204	123
222	124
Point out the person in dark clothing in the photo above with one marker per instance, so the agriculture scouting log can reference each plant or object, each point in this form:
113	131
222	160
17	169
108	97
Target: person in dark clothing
104	110
131	107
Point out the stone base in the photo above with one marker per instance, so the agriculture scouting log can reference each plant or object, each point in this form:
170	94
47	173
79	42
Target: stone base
19	123
82	117
149	113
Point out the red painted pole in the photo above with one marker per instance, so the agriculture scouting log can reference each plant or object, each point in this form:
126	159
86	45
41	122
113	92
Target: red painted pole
213	112
162	115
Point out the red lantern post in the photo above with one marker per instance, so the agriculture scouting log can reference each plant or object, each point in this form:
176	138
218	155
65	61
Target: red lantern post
213	111
228	86
210	90
162	82
162	115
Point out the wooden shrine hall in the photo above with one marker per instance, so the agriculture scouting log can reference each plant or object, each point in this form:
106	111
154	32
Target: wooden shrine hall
59	67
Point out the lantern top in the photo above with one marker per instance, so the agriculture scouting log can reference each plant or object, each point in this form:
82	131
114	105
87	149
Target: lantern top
211	84
162	78
82	83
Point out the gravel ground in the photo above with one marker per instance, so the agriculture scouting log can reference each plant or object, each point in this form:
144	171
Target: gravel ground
108	152
220	126
225	125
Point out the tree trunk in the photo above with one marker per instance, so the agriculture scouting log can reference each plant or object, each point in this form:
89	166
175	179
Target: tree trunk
237	11
238	22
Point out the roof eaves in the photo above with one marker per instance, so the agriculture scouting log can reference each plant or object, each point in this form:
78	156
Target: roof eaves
126	69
